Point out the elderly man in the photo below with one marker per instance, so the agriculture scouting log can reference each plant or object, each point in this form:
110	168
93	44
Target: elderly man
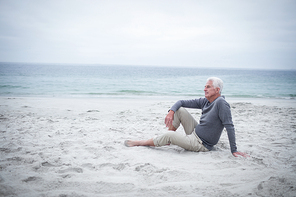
215	116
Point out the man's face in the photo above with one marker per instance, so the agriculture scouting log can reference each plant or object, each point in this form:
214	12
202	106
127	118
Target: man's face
210	91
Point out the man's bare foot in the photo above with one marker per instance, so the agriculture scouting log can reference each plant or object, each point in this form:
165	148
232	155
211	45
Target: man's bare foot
172	128
128	143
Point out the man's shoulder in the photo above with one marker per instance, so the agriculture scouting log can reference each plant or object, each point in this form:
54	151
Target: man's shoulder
221	100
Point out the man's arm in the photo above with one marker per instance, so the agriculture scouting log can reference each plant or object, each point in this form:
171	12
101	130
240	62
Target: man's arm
226	118
233	144
194	103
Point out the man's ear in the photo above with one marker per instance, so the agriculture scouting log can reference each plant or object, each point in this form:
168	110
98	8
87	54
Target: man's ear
217	90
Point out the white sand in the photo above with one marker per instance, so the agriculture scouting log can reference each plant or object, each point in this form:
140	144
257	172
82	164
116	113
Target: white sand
74	147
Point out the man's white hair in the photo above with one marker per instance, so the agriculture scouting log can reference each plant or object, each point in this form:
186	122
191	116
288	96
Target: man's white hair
217	83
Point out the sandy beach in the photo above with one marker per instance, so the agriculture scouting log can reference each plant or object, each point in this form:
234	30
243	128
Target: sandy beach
74	147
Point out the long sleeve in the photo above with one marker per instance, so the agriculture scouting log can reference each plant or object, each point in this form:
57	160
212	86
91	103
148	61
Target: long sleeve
226	118
195	103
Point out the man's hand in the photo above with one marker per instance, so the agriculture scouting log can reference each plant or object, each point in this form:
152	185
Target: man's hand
236	154
169	118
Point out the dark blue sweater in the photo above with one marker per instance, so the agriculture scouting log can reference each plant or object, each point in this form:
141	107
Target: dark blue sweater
215	116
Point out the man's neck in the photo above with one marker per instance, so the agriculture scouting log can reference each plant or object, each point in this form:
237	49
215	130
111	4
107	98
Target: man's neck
213	98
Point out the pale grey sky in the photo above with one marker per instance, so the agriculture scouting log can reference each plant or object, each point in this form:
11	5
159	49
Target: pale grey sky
197	33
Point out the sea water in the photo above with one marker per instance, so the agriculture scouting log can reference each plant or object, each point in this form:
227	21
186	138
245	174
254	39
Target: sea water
110	81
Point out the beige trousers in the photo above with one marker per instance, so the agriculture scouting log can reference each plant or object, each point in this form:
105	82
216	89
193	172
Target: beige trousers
190	141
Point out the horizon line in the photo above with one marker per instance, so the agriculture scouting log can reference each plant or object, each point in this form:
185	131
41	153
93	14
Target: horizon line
146	65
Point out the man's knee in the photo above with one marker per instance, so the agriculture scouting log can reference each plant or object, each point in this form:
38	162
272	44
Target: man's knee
183	117
181	113
181	110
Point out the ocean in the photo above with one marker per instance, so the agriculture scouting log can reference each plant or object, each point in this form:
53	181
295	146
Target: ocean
120	81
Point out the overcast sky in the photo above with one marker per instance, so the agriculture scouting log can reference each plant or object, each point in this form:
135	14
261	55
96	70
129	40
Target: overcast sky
197	33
